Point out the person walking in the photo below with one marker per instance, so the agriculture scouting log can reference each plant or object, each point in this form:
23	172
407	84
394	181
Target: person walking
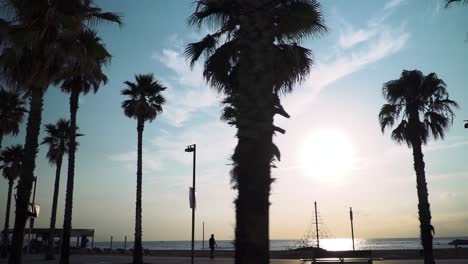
212	243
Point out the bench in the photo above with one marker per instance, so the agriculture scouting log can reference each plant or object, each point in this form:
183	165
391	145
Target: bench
359	256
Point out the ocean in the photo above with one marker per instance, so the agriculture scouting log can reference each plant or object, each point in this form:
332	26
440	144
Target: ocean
329	244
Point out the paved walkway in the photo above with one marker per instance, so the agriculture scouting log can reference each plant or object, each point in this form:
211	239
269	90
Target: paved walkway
96	259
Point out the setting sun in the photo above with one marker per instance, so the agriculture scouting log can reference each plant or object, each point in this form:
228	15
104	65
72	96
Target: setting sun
327	153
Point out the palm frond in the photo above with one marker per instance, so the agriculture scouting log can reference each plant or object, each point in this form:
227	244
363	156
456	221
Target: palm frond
11	157
292	65
219	66
213	13
193	50
450	2
12	111
436	123
299	19
387	115
400	133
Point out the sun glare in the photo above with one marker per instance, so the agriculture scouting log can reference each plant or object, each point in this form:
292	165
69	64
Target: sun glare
327	154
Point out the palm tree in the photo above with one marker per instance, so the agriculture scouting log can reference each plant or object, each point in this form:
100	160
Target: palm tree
84	75
11	112
31	60
252	57
421	107
11	158
58	136
144	104
33	57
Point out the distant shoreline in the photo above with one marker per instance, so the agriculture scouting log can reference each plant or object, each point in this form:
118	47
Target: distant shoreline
281	245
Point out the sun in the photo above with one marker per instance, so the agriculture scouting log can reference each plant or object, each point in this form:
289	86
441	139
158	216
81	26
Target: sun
327	154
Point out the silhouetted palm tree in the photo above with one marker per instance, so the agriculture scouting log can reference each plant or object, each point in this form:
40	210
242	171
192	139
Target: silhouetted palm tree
144	105
84	74
252	57
11	158
11	112
33	57
420	107
57	139
450	2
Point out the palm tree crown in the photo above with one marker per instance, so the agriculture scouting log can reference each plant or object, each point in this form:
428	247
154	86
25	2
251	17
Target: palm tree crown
145	99
83	70
11	111
11	158
420	106
292	20
58	136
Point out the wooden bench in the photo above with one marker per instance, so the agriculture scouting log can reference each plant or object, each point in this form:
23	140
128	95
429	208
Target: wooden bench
359	256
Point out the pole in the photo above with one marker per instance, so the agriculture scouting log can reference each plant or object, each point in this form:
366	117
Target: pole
125	243
194	205
203	236
31	219
316	225
352	227
111	244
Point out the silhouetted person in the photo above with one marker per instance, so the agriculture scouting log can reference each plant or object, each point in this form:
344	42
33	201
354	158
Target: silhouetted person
212	244
84	241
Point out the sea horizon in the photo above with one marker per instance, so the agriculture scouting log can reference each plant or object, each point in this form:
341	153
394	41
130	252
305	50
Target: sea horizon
285	244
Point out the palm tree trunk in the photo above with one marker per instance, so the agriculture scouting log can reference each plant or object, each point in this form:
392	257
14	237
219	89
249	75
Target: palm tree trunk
7	221
49	255
423	205
67	220
253	154
1	138
27	173
137	248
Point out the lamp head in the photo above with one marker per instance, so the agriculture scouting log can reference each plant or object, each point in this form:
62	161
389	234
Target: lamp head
190	148
466	123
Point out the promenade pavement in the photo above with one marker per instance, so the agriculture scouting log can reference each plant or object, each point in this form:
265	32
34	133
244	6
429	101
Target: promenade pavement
97	259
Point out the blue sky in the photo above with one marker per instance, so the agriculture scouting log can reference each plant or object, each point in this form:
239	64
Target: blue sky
369	43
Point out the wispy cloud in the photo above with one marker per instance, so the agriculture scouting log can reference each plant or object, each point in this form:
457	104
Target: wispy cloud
175	61
352	37
215	140
358	47
392	4
152	162
450	144
188	92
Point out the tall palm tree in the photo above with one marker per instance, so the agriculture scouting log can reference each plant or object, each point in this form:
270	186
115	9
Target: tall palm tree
252	57
33	57
11	112
420	107
144	104
57	139
11	158
31	60
84	75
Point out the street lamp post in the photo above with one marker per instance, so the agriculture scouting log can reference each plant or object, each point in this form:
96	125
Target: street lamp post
193	148
352	227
